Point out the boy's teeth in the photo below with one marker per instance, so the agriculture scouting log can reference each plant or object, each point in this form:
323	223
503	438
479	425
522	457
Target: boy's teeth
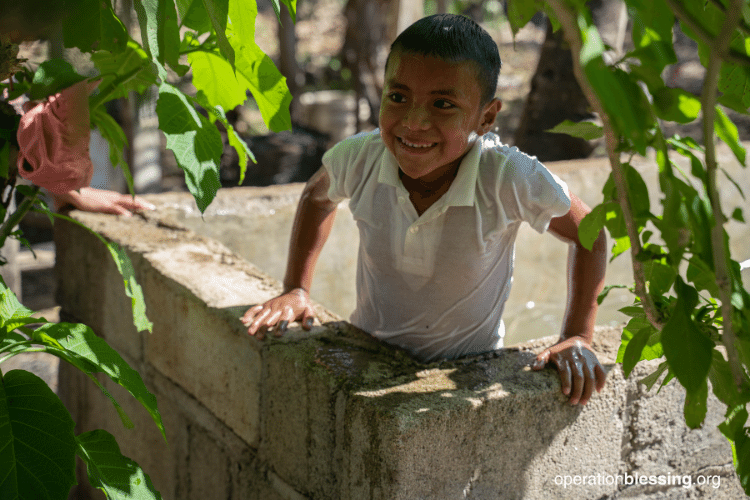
416	145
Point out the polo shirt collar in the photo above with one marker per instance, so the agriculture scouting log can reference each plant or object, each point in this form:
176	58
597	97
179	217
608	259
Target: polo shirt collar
463	189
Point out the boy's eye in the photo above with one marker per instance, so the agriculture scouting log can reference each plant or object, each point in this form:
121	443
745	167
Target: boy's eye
396	97
443	104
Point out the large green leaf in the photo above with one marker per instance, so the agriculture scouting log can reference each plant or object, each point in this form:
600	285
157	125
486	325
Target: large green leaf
237	142
37	443
591	225
195	141
216	78
161	36
92	25
218	12
264	80
116	475
687	349
51	77
193	15
79	345
123	71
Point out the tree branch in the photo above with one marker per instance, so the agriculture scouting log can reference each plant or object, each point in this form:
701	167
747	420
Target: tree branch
572	34
719	51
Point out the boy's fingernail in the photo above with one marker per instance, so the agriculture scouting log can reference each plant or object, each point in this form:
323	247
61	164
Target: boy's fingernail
282	327
309	322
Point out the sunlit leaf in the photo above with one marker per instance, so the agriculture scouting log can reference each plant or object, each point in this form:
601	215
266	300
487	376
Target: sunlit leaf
123	71
79	345
115	136
585	130
676	105
195	141
116	475
520	12
727	132
158	22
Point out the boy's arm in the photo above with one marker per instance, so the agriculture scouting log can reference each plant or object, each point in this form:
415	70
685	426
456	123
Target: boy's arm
312	225
580	370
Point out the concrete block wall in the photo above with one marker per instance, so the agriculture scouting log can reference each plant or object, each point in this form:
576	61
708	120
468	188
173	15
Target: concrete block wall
334	414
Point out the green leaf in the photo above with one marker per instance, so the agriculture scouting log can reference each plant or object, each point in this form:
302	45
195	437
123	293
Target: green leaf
92	25
79	345
722	382
737	215
600	298
132	288
239	144
695	406
291	5
216	78
591	225
123	71
520	12
688	351
584	130
676	105
634	325
265	82
634	349
116	475
193	15
11	310
702	276
51	77
37	444
195	142
734	420
727	132
218	11
652	32
741	447
158	22
650	379
659	275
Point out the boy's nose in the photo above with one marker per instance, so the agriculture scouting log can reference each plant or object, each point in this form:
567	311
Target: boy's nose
417	118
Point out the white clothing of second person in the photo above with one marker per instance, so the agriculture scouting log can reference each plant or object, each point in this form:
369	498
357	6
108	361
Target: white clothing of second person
436	284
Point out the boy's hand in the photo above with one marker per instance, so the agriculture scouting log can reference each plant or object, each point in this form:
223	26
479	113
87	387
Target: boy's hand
277	313
580	370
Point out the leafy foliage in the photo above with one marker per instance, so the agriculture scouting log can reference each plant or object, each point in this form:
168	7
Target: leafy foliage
217	39
691	306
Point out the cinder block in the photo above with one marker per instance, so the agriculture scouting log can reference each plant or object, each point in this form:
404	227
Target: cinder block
208	467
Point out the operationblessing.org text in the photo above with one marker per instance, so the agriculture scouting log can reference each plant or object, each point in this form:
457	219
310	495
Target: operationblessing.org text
567	481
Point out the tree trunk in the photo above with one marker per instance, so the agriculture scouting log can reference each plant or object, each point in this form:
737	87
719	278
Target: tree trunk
554	97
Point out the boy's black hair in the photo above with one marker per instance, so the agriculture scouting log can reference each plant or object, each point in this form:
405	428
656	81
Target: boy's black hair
454	38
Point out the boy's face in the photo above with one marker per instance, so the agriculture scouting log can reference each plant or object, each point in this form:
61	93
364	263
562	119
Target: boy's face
430	109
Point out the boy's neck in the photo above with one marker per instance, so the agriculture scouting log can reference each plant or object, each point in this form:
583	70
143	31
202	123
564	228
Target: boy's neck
424	193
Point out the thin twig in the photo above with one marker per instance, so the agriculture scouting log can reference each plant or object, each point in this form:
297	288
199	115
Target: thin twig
15	217
573	36
719	50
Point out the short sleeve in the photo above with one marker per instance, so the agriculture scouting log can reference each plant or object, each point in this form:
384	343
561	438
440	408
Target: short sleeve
537	194
347	163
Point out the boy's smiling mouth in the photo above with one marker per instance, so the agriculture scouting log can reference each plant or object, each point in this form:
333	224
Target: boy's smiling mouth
417	145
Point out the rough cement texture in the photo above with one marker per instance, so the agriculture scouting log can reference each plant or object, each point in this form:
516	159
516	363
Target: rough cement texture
334	413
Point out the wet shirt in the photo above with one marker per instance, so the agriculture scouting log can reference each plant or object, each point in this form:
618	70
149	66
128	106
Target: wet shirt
436	284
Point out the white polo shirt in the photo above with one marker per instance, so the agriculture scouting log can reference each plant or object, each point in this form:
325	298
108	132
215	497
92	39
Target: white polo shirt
436	284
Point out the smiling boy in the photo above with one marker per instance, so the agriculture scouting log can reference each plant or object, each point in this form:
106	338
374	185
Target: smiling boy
438	200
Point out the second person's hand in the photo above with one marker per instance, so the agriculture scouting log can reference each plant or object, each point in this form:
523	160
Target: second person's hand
276	314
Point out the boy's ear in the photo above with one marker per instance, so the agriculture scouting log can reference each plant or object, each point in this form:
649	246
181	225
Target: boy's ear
490	113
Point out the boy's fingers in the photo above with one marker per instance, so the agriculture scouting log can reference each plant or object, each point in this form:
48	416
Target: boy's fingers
577	376
286	317
601	377
308	317
565	376
541	360
589	384
249	315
